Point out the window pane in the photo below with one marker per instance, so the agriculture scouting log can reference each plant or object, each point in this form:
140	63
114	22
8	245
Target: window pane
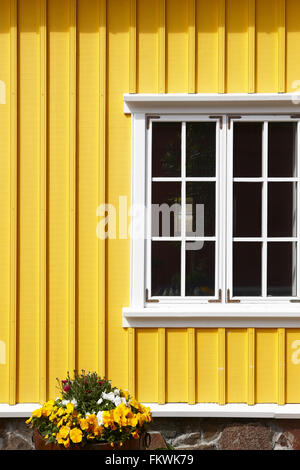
200	270
247	149
282	209
200	149
247	209
165	275
166	149
198	194
282	259
166	209
282	149
246	269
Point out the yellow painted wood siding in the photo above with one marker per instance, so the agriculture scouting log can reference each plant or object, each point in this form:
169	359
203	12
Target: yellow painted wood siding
65	149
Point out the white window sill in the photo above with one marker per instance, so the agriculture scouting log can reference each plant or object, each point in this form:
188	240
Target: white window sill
279	315
208	410
231	410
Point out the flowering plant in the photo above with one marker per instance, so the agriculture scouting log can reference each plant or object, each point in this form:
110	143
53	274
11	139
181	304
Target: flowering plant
90	409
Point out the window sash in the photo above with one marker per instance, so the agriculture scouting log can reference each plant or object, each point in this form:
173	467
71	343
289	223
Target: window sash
224	209
183	179
264	180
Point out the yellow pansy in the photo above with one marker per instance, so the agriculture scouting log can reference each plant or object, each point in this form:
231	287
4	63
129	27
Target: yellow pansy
135	434
76	435
84	424
37	413
67	443
61	412
70	408
64	431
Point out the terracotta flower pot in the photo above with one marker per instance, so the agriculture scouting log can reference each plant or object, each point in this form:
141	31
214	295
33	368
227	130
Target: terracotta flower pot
131	444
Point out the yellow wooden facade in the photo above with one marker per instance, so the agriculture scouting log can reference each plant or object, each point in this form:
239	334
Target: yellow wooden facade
65	146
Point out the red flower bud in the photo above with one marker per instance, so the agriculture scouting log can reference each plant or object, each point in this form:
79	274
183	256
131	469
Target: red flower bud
100	382
67	388
85	382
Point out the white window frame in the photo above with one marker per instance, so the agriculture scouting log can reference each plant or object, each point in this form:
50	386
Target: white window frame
188	314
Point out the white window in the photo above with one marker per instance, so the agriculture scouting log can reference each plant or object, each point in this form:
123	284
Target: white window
215	222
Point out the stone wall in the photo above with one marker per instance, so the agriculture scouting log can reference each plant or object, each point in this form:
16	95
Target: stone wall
189	434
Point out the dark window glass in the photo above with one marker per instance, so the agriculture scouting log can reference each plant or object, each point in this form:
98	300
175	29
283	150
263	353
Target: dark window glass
281	269
282	149
246	269
281	209
200	149
200	193
166	149
200	269
247	209
247	149
166	209
166	271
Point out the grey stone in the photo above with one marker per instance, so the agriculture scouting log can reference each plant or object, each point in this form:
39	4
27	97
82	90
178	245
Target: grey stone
246	437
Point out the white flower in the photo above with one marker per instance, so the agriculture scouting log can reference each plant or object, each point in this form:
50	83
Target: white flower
74	401
108	396
65	402
99	401
118	401
100	418
117	392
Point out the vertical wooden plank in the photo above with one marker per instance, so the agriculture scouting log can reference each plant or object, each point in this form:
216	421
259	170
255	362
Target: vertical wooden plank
102	188
207	372
146	379
292	365
43	196
13	202
131	361
292	45
266	47
265	365
221	366
191	366
132	47
5	198
236	365
221	46
251	366
191	46
132	89
281	366
161	366
251	46
161	46
72	183
281	47
207	46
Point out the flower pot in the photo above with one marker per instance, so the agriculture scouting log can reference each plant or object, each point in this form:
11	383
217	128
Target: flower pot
132	444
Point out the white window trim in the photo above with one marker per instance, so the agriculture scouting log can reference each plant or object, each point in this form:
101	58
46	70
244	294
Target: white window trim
262	314
199	410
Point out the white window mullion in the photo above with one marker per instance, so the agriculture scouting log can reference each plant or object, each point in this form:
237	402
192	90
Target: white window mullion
264	209
183	206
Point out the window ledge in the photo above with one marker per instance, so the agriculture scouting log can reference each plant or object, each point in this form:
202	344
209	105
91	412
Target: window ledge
230	410
210	102
209	410
279	315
